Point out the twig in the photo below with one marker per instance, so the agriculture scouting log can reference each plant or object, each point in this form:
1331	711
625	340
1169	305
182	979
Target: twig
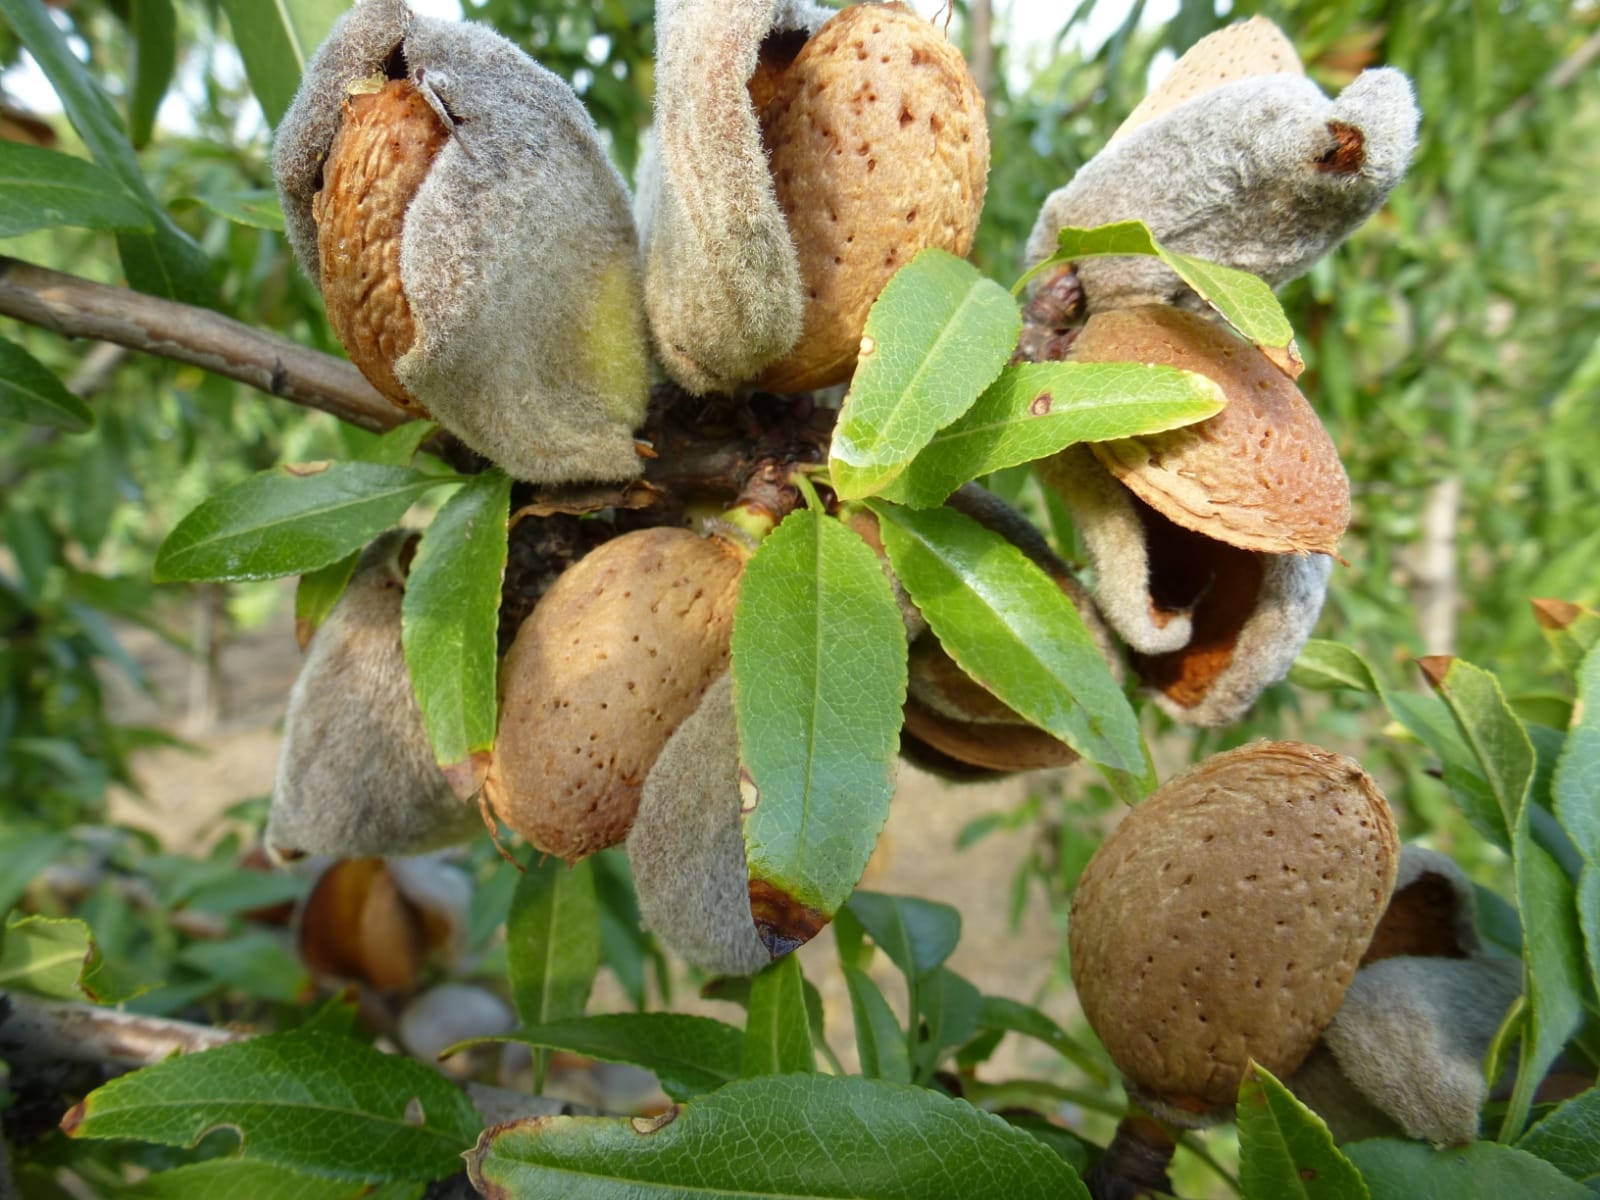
74	307
48	1032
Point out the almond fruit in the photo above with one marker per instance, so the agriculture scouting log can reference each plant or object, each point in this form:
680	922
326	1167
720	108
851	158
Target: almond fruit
1261	475
472	241
356	774
1224	917
878	149
613	657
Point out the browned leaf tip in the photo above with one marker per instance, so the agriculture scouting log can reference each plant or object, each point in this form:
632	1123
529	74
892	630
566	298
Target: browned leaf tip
1555	615
75	1116
488	1188
466	777
1286	358
782	922
1435	667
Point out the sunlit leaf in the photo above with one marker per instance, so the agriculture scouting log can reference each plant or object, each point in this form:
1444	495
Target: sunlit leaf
1285	1150
40	189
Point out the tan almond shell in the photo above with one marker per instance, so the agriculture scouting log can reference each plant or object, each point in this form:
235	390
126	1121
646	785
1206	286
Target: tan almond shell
383	151
1223	918
878	149
1262	474
614	656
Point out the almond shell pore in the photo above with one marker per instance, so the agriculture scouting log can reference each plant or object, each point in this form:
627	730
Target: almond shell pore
1225	916
611	660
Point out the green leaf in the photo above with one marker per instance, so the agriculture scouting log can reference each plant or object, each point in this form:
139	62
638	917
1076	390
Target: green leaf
45	955
258	964
777	1034
1553	974
1011	627
40	189
30	392
1571	629
1285	1150
949	1007
257	209
276	41
449	619
1569	1138
917	935
552	944
1400	1170
166	262
218	1178
1013	1016
318	591
688	1054
23	854
937	335
880	1042
1035	409
155	55
1330	667
1243	299
309	1101
1498	741
1573	792
289	520
778	1136
1429	720
819	673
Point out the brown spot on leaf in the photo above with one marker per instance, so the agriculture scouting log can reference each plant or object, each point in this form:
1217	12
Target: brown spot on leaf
1435	667
75	1117
1555	615
1041	404
304	470
749	793
655	1124
782	922
1307	1174
466	777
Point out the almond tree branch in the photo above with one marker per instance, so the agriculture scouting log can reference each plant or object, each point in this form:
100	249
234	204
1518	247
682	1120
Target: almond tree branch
74	308
33	1030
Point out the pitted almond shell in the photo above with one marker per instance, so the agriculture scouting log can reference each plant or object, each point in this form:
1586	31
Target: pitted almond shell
383	151
878	149
1223	919
614	656
1261	475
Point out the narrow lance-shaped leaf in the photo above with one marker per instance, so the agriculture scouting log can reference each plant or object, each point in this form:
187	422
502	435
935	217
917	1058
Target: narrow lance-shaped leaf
166	262
276	40
917	935
1011	627
1243	299
1035	409
318	591
448	626
819	668
30	392
1330	667
1571	629
1004	1013
937	335
552	944
289	520
258	209
816	1136
1552	950
155	54
1574	791
23	854
323	1104
1285	1150
40	189
688	1054
948	1006
1569	1137
880	1042
777	1033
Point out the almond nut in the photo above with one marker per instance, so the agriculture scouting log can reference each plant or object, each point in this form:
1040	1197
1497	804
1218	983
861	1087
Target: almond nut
613	657
878	149
1261	475
1224	917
